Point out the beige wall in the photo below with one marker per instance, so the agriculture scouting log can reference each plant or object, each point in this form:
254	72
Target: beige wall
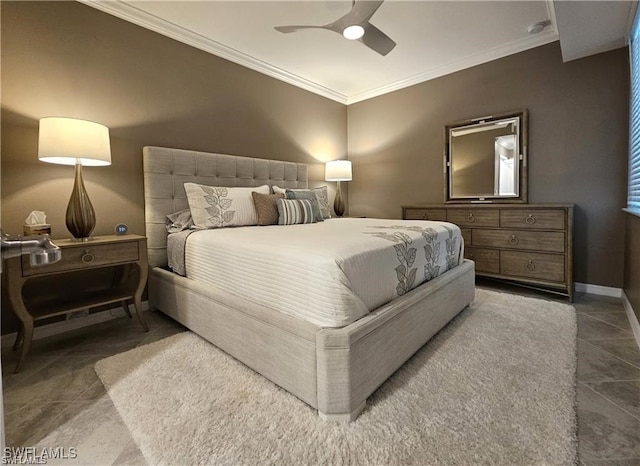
67	59
64	58
578	132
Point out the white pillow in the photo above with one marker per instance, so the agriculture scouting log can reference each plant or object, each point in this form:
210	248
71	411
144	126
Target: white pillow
278	190
217	207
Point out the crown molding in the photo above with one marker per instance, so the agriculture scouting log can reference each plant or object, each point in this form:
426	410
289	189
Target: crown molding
146	20
458	65
166	28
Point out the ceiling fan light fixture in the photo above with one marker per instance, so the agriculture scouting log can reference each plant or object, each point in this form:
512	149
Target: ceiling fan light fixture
359	27
353	32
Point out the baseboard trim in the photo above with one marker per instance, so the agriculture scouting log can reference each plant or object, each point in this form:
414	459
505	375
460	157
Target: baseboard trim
599	290
633	318
57	328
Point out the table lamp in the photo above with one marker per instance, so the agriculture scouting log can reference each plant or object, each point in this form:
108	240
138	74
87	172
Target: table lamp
338	170
69	141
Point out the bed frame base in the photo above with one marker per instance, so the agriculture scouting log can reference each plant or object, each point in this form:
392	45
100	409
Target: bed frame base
344	417
332	369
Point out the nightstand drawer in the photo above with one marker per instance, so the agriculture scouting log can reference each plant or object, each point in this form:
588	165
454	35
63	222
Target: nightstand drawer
86	255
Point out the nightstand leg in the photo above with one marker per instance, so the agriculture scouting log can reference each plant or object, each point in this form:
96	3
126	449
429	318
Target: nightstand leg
142	281
26	346
15	281
125	307
19	338
138	305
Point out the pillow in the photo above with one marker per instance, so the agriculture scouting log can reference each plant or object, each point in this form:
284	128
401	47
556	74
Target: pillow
266	207
217	207
323	201
309	196
278	190
294	211
179	221
321	195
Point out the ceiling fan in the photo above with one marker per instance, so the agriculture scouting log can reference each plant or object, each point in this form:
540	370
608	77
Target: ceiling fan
355	25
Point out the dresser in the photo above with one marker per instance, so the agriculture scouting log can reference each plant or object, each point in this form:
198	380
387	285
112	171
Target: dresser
529	244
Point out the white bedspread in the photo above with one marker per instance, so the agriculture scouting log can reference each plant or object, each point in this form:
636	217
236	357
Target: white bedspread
330	273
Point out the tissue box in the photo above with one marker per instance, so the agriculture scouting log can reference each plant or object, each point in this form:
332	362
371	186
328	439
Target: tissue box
44	229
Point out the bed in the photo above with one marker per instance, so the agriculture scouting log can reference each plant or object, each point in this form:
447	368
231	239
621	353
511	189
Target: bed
331	366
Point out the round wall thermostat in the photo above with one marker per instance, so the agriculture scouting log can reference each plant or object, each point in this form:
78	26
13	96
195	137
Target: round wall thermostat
121	229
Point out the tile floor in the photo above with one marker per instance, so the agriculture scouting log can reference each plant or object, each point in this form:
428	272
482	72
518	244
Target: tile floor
58	400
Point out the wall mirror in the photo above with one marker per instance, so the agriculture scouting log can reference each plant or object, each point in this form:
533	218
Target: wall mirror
485	159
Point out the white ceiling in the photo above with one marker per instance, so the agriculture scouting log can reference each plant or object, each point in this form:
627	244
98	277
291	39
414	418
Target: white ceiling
434	37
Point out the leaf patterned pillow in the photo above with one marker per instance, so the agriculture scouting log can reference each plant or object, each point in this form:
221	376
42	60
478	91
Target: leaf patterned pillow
218	206
323	201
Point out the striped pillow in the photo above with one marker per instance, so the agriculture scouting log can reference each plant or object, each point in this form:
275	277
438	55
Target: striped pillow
294	211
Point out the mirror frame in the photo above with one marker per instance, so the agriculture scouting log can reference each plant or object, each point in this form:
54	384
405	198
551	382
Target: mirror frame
522	197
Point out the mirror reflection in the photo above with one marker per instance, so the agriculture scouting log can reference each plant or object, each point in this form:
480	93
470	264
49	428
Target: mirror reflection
484	159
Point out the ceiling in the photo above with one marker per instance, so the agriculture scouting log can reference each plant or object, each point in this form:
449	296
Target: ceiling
433	38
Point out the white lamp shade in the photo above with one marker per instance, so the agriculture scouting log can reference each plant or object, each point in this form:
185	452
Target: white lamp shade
68	141
338	170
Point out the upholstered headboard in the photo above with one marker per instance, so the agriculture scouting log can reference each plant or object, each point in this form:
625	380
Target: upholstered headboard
166	170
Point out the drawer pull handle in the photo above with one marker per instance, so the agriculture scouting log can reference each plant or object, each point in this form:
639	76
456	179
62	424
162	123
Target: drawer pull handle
531	266
530	220
424	216
514	239
87	257
471	218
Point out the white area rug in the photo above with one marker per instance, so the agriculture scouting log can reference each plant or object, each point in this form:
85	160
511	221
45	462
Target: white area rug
496	386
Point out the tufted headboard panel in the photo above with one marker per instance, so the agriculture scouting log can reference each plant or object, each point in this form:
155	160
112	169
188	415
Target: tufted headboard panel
166	170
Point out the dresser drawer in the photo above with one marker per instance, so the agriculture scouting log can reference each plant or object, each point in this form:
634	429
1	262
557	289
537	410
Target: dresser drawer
474	218
439	215
77	258
487	260
547	267
533	219
547	241
466	235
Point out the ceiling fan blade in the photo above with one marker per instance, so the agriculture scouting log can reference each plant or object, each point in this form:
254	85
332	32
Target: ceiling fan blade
377	40
362	11
288	29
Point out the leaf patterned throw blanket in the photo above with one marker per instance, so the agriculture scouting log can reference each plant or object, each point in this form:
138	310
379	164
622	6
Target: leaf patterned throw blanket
330	273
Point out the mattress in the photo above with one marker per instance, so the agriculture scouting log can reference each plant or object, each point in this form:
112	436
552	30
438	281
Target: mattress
330	273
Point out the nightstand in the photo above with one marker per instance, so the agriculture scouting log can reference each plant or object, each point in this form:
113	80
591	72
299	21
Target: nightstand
121	252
